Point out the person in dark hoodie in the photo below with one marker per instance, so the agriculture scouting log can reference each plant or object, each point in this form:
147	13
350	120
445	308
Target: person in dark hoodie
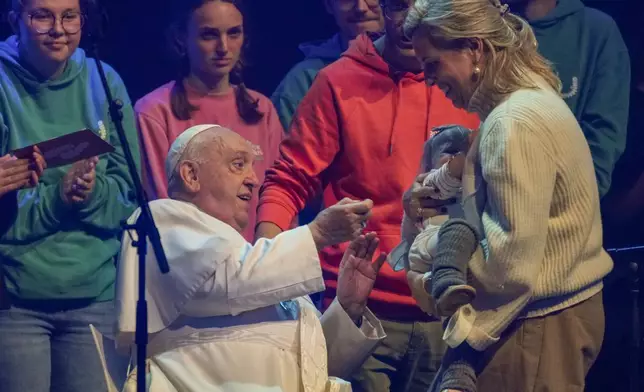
590	57
353	18
58	254
358	134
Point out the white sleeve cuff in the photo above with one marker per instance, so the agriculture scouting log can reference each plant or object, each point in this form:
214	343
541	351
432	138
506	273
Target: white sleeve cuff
349	346
461	328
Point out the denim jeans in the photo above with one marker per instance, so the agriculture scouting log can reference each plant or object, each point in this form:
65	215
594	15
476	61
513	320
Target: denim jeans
45	349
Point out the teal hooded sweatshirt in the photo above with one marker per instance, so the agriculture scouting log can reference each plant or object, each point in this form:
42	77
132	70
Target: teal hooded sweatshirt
591	59
299	79
49	251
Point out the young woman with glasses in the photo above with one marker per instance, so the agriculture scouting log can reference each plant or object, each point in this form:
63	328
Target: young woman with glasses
57	249
208	37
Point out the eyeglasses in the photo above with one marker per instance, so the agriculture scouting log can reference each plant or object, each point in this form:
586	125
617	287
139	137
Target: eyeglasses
352	3
44	21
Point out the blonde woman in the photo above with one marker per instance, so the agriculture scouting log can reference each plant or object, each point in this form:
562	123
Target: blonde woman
537	322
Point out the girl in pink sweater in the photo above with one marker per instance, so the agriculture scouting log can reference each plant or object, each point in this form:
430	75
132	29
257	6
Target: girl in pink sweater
208	38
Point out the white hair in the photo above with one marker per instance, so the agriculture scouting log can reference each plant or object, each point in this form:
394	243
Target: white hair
200	149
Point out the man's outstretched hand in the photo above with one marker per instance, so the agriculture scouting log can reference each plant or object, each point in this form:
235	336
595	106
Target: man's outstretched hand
358	274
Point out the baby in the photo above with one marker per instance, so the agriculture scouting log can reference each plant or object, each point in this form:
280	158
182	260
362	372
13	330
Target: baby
440	247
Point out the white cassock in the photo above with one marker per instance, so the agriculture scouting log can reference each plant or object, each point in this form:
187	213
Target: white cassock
231	316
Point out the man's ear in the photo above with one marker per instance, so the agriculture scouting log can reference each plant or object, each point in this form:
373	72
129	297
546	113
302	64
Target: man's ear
189	173
12	18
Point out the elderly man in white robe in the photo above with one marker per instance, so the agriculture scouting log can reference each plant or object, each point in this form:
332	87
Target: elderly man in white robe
231	316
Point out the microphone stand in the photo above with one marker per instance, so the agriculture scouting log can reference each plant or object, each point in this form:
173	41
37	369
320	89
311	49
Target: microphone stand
144	227
637	338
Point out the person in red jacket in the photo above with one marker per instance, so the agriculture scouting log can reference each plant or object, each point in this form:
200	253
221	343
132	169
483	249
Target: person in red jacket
359	133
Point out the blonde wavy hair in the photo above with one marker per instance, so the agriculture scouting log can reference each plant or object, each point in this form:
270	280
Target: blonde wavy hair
509	43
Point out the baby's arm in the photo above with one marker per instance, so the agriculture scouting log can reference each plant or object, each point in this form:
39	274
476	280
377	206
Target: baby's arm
446	180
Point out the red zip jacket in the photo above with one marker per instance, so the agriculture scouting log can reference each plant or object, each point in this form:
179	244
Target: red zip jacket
359	133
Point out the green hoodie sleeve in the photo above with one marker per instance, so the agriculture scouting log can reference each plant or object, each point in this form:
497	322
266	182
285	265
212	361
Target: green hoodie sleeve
41	205
605	117
285	107
113	199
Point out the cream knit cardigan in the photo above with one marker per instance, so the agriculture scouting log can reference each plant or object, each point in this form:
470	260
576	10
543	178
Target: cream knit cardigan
530	185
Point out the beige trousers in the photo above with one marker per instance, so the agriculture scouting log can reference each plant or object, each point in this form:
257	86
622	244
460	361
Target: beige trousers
546	354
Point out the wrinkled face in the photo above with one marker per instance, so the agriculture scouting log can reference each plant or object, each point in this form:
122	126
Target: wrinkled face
395	13
49	30
452	70
229	182
223	184
355	17
214	39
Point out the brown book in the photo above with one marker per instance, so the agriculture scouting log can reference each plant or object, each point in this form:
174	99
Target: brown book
68	149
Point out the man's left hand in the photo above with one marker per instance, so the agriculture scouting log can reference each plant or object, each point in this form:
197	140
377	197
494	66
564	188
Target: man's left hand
358	274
